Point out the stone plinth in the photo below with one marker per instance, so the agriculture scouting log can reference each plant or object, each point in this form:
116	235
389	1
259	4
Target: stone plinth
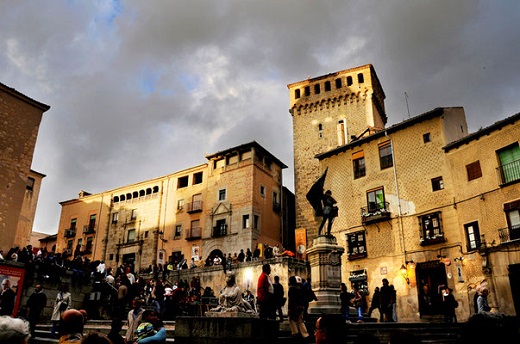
225	329
325	260
230	314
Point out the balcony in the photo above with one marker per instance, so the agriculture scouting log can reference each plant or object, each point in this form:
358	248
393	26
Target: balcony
194	207
432	239
509	234
193	233
70	233
372	215
509	173
88	230
219	231
354	256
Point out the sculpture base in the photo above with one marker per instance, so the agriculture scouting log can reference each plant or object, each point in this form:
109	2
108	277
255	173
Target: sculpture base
325	260
225	329
229	314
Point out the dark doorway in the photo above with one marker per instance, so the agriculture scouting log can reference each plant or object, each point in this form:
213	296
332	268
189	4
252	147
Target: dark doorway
514	280
430	275
129	259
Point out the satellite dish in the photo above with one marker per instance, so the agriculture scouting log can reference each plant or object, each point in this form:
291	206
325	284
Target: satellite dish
301	249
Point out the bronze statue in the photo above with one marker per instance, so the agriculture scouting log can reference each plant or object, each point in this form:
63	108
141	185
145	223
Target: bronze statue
329	211
323	203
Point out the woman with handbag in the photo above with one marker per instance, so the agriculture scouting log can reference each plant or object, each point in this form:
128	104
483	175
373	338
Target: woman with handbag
61	304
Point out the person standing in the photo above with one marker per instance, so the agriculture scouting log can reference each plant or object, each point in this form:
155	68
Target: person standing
387	301
134	319
256	252
309	296
249	255
482	302
279	298
241	256
265	293
61	304
35	305
328	213
122	286
359	303
296	306
448	305
376	304
345	297
394	305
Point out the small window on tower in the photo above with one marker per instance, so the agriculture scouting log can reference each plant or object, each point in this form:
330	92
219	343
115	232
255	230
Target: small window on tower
327	86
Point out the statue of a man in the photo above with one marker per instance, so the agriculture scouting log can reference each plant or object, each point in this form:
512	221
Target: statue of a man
230	298
329	211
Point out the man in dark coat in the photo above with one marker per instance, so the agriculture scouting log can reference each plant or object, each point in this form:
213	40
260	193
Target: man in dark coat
278	297
387	301
35	305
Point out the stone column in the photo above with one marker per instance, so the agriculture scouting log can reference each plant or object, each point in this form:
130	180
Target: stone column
325	260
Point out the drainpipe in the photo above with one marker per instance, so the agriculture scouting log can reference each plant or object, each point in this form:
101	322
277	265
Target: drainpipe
399	211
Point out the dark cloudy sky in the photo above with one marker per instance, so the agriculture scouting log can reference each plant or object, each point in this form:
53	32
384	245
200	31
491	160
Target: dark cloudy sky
141	89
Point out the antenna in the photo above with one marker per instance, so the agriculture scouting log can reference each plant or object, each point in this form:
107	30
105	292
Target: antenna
407	107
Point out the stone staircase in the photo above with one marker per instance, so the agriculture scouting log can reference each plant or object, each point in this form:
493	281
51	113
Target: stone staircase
426	332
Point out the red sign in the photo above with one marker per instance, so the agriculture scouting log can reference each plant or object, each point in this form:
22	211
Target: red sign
12	277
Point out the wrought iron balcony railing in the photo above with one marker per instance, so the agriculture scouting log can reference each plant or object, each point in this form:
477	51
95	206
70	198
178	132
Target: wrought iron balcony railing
219	231
194	207
509	173
509	234
193	233
434	239
70	233
375	214
88	229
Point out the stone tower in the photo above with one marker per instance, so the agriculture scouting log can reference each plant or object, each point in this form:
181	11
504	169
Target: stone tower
330	111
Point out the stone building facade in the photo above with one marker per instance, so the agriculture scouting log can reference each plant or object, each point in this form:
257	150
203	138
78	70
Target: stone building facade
232	202
20	118
407	211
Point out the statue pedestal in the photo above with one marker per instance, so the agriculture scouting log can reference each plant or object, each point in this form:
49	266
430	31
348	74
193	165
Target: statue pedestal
325	260
225	329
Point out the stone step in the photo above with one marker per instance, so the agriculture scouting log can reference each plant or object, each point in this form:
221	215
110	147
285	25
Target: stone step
438	333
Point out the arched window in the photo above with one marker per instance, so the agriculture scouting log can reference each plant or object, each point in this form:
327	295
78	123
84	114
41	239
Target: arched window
360	78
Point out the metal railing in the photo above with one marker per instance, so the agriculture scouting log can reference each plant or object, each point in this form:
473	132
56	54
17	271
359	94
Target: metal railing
509	234
379	212
193	207
508	173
